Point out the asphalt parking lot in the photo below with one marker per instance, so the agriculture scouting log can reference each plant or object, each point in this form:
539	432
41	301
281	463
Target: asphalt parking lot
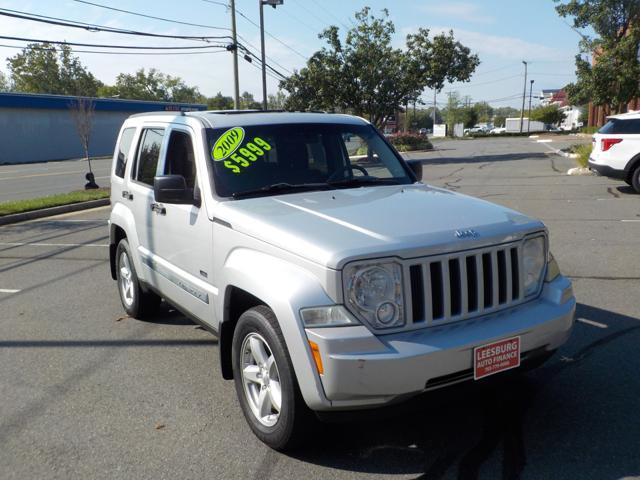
88	393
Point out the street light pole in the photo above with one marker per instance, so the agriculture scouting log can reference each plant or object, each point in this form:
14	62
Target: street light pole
530	93
273	3
236	82
524	95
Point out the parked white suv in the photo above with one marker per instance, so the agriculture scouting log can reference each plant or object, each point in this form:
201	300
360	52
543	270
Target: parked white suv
616	149
332	277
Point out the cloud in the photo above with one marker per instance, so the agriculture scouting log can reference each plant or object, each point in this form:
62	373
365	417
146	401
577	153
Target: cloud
503	47
468	12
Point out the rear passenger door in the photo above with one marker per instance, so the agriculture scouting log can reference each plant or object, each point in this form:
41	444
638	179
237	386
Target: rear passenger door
140	192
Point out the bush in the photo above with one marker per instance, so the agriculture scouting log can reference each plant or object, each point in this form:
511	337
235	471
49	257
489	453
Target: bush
407	142
584	152
589	130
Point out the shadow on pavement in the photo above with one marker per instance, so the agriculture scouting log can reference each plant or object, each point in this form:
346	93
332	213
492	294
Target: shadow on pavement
575	417
483	158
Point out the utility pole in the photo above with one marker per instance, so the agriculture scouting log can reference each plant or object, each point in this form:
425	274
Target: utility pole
524	95
262	3
236	81
530	93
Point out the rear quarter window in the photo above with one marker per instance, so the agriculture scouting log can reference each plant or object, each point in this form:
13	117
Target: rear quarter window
621	127
124	147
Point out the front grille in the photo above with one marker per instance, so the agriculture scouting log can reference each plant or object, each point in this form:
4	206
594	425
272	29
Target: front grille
462	285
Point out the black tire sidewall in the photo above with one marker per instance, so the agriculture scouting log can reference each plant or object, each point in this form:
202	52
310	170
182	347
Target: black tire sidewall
133	309
261	320
635	179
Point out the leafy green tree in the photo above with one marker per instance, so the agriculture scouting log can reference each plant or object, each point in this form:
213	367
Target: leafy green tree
5	83
365	75
613	77
499	120
550	114
220	102
484	111
152	85
468	116
277	101
248	102
45	68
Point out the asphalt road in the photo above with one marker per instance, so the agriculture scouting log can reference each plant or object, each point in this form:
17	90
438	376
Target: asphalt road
86	393
31	180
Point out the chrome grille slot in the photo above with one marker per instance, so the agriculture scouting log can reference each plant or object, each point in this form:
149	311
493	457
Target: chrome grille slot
463	285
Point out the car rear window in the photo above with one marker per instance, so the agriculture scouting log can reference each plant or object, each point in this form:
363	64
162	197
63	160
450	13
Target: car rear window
620	126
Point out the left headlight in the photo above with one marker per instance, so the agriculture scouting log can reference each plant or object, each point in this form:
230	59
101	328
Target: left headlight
374	293
534	260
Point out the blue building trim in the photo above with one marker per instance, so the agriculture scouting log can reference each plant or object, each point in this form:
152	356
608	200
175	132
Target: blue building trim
62	102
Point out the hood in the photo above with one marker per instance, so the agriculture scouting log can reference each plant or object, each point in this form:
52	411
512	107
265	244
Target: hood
334	227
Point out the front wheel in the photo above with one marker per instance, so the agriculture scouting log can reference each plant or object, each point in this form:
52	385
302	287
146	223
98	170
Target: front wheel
137	302
265	381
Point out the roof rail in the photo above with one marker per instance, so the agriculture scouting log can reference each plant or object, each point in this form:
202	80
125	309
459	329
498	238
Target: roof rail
162	112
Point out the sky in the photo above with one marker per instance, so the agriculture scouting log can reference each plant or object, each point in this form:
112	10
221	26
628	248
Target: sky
502	32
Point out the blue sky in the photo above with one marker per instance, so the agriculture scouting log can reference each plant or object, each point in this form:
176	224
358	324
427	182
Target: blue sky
501	32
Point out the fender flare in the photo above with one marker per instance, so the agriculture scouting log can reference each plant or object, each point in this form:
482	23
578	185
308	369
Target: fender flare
285	288
122	217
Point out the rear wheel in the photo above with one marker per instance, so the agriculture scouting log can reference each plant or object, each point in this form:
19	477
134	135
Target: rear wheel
137	302
635	179
265	381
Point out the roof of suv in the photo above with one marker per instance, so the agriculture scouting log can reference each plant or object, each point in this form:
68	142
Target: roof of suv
633	115
232	118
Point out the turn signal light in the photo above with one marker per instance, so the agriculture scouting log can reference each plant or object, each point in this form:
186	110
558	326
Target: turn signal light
315	350
607	143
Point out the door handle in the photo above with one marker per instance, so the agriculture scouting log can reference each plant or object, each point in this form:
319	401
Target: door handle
127	195
158	208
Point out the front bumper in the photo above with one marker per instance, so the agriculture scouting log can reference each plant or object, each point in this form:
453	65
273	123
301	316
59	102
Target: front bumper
365	370
606	170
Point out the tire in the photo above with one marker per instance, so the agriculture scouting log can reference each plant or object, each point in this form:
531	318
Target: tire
137	302
635	179
261	363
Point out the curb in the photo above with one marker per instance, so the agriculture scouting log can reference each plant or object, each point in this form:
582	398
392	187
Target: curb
47	212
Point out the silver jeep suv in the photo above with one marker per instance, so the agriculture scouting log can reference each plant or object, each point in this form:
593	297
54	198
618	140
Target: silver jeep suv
333	278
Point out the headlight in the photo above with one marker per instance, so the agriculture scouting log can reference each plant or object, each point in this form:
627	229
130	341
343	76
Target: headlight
374	293
533	262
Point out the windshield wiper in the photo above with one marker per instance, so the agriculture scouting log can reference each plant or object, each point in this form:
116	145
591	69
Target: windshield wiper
281	188
359	181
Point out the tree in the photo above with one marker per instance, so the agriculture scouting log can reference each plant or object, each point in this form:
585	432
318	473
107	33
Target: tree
152	85
366	76
220	102
5	83
484	111
468	116
550	114
82	110
612	79
277	101
44	68
247	102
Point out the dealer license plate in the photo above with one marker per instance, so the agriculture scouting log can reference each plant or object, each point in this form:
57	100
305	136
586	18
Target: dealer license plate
496	357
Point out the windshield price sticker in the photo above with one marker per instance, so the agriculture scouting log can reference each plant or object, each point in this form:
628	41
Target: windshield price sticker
496	357
228	146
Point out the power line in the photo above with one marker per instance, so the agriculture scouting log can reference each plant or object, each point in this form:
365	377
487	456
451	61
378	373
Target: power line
151	16
99	28
239	12
324	10
222	50
268	58
132	47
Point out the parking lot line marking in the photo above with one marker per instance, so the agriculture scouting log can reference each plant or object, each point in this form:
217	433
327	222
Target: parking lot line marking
27	244
630	221
8	290
544	140
592	323
41	175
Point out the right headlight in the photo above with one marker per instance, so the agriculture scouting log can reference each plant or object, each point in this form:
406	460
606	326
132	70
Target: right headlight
374	293
534	260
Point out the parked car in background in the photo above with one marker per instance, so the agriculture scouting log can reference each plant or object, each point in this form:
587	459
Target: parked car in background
616	149
497	130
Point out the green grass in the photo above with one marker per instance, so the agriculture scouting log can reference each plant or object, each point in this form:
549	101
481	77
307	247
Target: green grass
21	206
583	151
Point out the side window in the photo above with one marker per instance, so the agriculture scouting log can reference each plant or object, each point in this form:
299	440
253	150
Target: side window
123	151
180	157
148	155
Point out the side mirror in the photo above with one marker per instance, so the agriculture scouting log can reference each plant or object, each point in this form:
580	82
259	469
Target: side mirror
416	168
172	189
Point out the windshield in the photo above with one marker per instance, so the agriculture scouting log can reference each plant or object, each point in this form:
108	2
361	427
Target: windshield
268	159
